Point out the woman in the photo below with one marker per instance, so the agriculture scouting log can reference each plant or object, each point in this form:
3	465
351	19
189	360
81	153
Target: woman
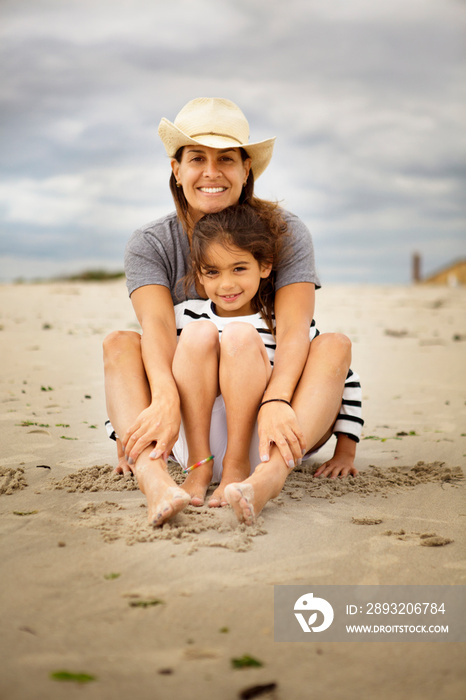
214	166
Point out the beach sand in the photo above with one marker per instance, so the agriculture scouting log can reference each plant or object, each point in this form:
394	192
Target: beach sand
88	587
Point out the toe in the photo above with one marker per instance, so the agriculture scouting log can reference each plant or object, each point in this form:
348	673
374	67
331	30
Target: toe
197	501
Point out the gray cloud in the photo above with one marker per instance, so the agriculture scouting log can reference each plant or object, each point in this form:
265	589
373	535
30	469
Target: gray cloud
366	102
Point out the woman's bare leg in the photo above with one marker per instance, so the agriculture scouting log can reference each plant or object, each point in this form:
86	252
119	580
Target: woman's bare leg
316	402
195	368
126	388
244	372
127	393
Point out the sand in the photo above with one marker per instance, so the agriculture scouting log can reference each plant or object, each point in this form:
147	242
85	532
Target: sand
88	588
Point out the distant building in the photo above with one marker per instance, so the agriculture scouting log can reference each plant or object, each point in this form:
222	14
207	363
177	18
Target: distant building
451	275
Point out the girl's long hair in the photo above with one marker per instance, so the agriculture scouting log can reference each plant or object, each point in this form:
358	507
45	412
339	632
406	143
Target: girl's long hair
260	231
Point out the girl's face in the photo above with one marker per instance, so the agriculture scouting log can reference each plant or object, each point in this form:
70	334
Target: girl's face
211	178
231	278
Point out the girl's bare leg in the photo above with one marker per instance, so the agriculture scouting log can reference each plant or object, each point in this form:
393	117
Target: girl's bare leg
195	368
127	393
244	372
316	402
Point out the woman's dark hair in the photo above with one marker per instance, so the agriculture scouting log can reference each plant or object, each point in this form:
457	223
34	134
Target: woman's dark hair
248	228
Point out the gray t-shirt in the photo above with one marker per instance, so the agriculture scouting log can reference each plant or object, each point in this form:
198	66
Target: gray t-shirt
159	254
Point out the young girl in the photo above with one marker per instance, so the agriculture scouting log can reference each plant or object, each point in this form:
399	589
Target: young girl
224	357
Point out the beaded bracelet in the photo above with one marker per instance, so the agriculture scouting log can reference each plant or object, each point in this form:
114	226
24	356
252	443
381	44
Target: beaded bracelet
270	401
198	464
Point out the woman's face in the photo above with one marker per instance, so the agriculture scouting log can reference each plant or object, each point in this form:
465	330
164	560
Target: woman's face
211	178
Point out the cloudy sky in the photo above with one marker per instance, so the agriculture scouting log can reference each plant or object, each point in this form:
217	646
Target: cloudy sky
366	99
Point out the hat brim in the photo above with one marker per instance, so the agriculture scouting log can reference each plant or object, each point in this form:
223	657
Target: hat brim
173	138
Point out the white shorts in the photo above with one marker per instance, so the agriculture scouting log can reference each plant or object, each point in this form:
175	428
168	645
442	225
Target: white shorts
218	442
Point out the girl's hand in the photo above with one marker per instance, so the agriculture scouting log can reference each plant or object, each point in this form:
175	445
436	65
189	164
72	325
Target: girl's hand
342	462
278	424
337	466
158	426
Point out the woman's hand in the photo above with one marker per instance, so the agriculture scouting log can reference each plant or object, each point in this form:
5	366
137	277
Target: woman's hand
157	425
278	424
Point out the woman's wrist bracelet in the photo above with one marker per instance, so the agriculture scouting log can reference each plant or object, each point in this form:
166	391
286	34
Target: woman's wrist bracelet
271	400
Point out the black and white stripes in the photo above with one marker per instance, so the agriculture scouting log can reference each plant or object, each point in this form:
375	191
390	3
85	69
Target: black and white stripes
349	419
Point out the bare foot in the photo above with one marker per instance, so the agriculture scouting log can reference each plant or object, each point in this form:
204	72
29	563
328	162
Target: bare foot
196	484
171	502
218	500
164	498
232	473
247	498
241	498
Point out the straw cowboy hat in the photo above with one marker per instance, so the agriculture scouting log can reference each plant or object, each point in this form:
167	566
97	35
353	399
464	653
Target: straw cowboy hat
217	123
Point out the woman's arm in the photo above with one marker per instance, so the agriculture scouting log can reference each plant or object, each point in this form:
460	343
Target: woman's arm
294	309
160	421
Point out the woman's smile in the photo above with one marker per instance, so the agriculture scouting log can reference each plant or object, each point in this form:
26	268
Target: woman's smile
212	190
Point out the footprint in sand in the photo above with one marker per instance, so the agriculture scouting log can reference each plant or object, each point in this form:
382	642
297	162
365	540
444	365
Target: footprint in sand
424	539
